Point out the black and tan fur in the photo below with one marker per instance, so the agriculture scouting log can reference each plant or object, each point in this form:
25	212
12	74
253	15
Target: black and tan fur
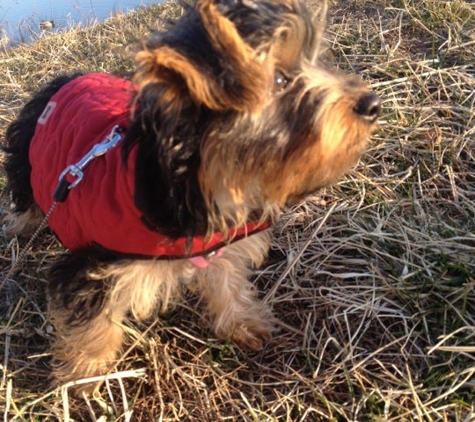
234	118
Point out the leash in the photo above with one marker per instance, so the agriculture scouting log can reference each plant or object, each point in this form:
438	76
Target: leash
61	192
23	252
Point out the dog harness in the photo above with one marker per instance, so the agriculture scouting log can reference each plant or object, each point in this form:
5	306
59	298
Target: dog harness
100	210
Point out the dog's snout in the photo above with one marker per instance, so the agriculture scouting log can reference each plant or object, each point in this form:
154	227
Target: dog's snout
368	107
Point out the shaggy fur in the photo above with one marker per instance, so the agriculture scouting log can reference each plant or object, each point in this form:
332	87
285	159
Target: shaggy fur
233	118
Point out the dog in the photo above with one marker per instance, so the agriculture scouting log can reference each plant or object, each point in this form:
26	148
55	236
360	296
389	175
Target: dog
171	181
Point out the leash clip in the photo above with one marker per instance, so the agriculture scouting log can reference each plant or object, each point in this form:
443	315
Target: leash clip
76	170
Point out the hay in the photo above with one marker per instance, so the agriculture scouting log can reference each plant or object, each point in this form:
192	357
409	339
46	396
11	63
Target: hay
373	280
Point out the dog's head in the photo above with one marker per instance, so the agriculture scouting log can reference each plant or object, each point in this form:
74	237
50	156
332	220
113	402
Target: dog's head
241	115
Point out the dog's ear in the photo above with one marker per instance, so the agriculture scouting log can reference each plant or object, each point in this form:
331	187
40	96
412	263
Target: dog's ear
203	59
289	44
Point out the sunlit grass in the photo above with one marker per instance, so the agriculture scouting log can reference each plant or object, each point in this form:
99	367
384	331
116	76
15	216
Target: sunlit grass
377	304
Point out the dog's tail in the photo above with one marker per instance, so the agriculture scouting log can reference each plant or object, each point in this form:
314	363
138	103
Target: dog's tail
17	144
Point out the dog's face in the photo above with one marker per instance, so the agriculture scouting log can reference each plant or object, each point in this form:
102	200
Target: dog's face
269	124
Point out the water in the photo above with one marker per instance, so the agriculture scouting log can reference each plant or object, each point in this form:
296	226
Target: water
20	19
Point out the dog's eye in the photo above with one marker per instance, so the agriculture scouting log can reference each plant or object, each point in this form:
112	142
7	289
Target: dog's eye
280	81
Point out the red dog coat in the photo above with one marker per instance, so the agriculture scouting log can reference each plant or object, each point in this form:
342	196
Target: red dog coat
101	209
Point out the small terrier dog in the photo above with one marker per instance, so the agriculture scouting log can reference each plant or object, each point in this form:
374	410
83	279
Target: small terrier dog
174	178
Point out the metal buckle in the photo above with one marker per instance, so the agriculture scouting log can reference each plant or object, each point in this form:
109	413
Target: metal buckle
76	170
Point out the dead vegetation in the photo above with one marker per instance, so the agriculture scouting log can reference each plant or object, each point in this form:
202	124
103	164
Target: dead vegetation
373	280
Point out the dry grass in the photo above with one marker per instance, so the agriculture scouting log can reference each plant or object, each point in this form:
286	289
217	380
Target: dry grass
373	280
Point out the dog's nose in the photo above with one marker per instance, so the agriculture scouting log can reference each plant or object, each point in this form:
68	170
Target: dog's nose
368	107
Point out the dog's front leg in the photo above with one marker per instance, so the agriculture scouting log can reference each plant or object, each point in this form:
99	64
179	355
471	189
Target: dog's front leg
232	304
91	296
87	348
87	321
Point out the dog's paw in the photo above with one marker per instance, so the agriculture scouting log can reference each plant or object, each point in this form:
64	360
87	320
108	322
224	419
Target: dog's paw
22	224
251	328
79	377
254	333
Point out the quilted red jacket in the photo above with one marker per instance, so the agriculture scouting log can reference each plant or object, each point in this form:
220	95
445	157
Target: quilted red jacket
100	209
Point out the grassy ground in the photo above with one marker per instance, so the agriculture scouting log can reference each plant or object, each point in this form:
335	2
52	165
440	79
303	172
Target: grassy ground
372	279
